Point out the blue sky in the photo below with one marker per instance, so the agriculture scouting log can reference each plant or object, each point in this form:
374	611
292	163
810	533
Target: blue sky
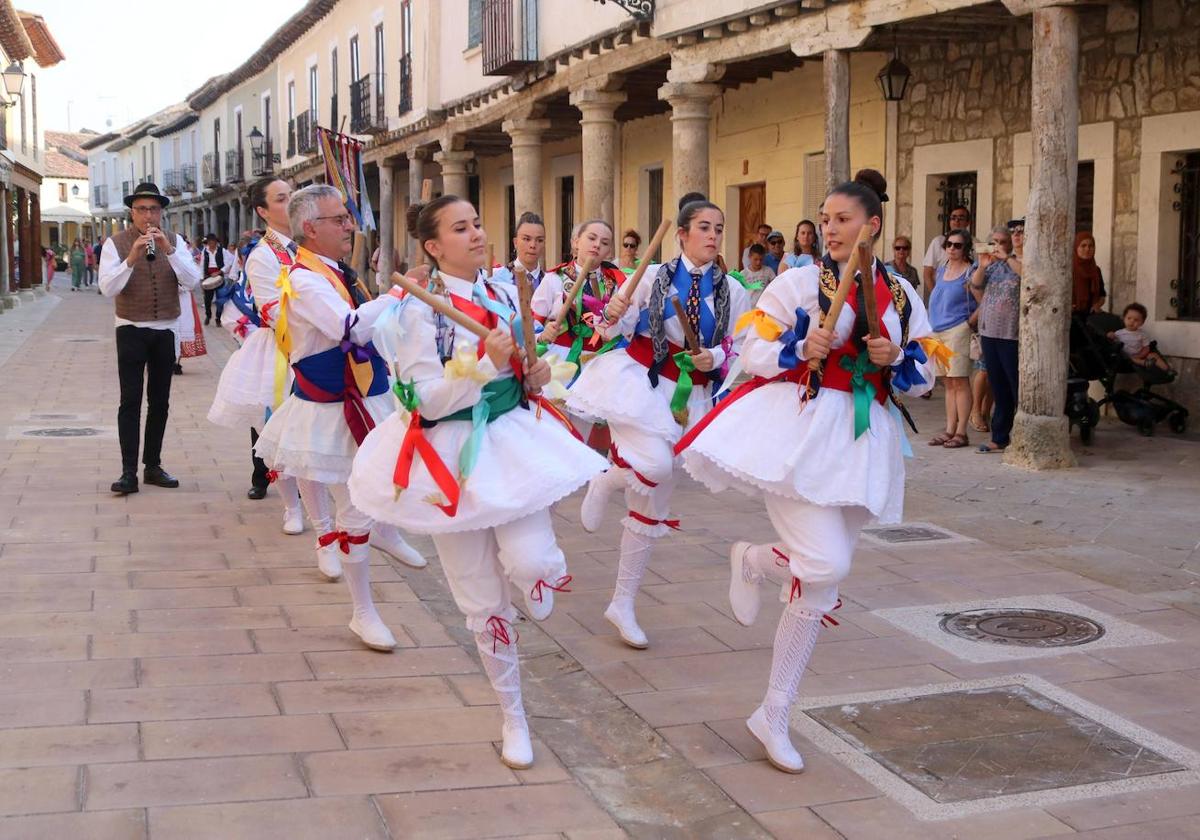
126	61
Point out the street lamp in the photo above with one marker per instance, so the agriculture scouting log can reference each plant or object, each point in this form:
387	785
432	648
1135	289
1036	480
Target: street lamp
14	79
256	142
893	79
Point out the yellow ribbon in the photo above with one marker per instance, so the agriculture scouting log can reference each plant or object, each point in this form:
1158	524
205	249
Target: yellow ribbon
363	374
464	364
561	374
766	326
936	351
283	337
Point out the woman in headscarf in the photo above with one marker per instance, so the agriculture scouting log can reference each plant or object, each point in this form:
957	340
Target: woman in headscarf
1087	283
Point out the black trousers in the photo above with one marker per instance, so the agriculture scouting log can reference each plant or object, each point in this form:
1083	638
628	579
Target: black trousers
259	477
1001	357
208	305
144	357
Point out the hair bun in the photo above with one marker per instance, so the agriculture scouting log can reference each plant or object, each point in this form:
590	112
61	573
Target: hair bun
873	179
411	215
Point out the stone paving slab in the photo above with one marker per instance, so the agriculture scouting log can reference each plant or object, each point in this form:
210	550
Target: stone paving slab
174	667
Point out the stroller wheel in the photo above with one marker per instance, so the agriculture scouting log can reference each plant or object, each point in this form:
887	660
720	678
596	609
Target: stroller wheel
1146	426
1178	422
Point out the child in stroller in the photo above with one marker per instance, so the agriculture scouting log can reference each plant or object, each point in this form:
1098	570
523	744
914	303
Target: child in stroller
1104	345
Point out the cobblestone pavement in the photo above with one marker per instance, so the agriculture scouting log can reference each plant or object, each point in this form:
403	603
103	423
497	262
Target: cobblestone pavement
173	667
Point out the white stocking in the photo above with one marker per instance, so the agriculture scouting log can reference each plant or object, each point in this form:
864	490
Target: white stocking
289	492
503	668
318	504
795	638
635	557
357	570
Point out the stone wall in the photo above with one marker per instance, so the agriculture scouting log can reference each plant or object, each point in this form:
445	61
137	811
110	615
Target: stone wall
977	87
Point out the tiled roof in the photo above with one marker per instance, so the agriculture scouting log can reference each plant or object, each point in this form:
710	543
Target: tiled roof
46	51
59	165
68	143
13	38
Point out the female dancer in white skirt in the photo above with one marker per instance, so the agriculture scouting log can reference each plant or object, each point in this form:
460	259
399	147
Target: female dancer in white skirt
639	391
340	390
478	458
825	463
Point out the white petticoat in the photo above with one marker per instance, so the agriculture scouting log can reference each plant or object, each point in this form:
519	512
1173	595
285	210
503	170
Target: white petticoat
614	387
247	385
525	464
764	442
311	440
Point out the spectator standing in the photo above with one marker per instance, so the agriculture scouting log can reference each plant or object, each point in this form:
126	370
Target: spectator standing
774	257
212	270
1087	283
50	258
78	262
760	236
756	272
900	265
996	285
630	242
806	249
950	308
935	255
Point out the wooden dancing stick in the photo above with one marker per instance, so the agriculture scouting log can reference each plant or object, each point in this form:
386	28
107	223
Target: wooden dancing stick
845	284
865	258
630	286
439	304
693	342
585	268
525	296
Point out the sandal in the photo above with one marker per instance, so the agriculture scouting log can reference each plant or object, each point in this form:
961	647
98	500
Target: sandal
979	424
956	442
989	448
939	439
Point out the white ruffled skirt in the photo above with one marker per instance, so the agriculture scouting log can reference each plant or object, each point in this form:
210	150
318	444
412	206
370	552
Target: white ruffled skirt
247	385
764	442
525	464
311	440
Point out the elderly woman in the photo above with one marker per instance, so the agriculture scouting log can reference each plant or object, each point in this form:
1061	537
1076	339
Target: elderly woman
996	285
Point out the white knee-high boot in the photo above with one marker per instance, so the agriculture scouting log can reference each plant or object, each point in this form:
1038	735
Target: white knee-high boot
591	511
293	515
498	652
318	504
366	623
388	539
635	557
795	638
749	565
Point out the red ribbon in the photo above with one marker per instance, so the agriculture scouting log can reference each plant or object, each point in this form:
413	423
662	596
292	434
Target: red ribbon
798	591
673	524
242	327
797	375
272	476
499	628
559	585
415	443
344	540
353	409
543	403
623	464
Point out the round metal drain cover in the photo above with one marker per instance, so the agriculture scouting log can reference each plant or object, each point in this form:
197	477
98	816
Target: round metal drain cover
64	432
1023	628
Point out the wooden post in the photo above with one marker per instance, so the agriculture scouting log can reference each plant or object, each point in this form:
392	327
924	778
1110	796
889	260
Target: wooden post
387	224
24	246
1040	436
837	118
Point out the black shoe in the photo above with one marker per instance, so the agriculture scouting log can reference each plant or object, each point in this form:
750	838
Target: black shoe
218	322
256	493
207	320
178	369
159	477
126	484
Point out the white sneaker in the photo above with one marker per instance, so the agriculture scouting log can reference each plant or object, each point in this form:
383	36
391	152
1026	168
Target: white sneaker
329	561
517	751
293	521
591	512
539	610
780	751
743	594
621	616
387	539
373	632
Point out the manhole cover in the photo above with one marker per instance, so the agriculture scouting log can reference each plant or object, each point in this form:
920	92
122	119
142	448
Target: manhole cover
1023	628
64	432
53	416
912	533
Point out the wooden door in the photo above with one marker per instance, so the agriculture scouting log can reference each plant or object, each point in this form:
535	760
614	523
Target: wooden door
752	212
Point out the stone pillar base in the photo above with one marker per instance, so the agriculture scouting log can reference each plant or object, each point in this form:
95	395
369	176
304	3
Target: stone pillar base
26	294
1040	443
39	291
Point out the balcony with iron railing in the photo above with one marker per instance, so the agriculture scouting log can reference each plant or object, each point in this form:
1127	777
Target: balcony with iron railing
262	161
100	195
210	170
126	189
187	177
509	40
368	112
406	84
306	132
235	166
172	183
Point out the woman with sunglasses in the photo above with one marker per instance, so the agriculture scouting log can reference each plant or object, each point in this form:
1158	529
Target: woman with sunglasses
630	242
950	309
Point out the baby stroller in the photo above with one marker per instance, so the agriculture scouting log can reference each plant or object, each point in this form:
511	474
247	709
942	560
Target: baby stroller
1095	357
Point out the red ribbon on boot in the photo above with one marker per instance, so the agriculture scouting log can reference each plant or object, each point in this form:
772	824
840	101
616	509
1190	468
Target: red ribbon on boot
499	628
673	524
272	476
623	464
344	540
559	585
798	591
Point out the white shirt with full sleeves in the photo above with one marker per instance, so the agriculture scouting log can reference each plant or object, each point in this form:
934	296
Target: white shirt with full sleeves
309	439
769	441
527	459
115	273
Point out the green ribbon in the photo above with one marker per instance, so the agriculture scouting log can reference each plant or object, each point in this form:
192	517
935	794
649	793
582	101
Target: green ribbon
863	389
582	333
499	397
406	392
748	286
683	386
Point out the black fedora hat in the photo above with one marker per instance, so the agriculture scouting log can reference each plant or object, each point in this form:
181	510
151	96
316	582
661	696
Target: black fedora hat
147	190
